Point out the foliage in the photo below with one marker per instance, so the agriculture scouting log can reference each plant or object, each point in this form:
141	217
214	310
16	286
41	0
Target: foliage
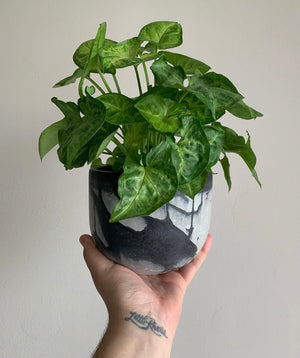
166	139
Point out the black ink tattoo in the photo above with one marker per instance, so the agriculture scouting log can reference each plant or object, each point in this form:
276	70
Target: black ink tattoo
146	322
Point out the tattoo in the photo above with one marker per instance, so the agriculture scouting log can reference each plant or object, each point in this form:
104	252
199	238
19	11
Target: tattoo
146	322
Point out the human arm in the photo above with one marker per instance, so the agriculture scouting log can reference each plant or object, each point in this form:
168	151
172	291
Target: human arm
144	310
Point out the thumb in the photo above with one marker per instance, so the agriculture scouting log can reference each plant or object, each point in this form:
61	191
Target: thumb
95	260
189	271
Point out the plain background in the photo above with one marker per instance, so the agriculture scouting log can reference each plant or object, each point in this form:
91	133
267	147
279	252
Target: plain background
244	302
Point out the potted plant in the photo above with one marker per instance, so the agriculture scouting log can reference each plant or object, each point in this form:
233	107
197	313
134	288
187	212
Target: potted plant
151	156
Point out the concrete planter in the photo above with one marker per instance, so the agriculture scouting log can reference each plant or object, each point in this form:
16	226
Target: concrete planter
166	240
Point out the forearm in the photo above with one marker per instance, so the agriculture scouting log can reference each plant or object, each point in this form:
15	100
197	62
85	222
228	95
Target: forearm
135	335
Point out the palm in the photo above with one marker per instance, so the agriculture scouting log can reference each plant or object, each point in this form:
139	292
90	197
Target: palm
151	302
165	290
155	295
124	290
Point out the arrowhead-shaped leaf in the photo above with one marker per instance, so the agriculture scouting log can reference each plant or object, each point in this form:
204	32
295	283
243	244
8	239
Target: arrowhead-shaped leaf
162	34
69	109
92	63
241	110
81	55
120	109
193	187
190	65
162	113
215	136
233	143
134	137
49	137
215	90
200	110
226	169
95	146
144	189
190	155
79	131
166	75
71	79
120	55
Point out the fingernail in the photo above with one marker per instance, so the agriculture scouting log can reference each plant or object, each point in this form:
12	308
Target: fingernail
82	240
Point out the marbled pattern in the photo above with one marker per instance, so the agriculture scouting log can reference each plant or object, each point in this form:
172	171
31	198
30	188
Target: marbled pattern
167	239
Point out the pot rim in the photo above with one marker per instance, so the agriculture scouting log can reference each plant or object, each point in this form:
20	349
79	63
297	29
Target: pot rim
107	169
104	169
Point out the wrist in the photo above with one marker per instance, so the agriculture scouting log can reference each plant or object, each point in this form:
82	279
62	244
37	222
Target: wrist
167	319
135	335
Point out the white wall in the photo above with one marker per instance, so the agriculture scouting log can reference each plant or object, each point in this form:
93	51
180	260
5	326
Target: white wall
244	301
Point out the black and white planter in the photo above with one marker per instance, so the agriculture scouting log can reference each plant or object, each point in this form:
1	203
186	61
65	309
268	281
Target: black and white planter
166	240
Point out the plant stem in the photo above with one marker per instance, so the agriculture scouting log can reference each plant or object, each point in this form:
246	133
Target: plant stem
120	146
108	151
148	140
119	134
146	74
122	130
182	97
138	79
80	87
104	81
96	85
117	83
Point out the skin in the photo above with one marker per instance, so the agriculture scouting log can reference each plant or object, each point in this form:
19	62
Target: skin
159	297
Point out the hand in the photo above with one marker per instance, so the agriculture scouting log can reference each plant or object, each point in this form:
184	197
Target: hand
159	297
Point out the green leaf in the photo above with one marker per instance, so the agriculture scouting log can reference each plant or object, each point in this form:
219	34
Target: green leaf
190	65
104	144
162	113
69	109
166	75
148	56
90	90
150	47
233	143
92	64
79	131
97	163
134	137
96	145
200	110
215	90
191	154
144	189
120	109
225	165
166	92
215	136
117	161
120	55
250	159
93	59
195	186
162	34
241	110
81	55
71	79
49	137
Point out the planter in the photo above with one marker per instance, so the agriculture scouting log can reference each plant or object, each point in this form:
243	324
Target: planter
166	240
